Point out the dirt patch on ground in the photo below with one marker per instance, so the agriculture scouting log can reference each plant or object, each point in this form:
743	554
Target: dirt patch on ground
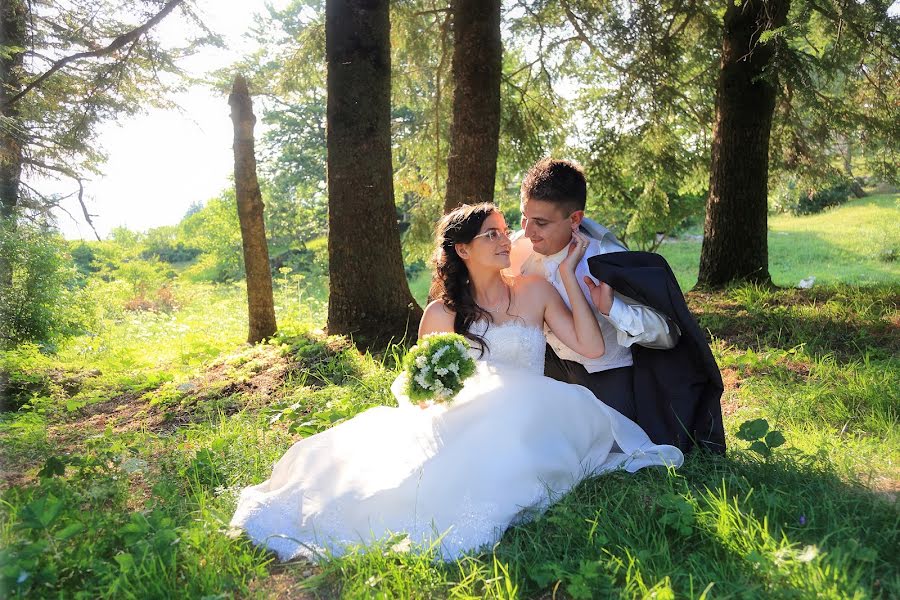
20	478
886	487
284	582
731	378
249	378
798	369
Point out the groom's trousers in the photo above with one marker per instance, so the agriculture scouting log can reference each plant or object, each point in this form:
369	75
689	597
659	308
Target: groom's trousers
614	387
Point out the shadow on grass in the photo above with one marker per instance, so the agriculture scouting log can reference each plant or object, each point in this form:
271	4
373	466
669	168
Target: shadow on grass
744	528
848	323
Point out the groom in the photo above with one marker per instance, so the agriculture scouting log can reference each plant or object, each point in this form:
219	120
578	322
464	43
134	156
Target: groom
553	197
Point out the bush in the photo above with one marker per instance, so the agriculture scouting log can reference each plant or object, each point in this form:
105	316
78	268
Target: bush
215	230
171	253
161	243
85	259
42	304
161	300
815	201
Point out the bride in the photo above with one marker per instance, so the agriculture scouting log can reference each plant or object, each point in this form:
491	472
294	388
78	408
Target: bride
456	476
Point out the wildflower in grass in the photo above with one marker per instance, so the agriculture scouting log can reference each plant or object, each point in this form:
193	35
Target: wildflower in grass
437	366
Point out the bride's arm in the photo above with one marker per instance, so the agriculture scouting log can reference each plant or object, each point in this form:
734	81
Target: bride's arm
436	319
578	329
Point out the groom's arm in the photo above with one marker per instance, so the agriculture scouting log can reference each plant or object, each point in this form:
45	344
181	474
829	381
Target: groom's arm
634	323
639	324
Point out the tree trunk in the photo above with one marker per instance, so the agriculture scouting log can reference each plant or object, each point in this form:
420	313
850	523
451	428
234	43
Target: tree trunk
855	186
474	134
260	304
12	33
735	247
369	296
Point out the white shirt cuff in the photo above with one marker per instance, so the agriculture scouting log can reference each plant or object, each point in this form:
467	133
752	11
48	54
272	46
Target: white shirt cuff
625	318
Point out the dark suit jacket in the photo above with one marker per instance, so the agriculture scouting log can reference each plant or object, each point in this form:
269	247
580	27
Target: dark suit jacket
677	392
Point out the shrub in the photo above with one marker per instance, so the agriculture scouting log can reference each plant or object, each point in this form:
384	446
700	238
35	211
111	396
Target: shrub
161	300
171	253
161	243
42	303
215	230
85	259
815	201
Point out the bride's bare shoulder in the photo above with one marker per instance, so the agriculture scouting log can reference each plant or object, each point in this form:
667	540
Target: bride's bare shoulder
532	284
437	317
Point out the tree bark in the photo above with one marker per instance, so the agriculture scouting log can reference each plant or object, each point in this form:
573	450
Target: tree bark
260	303
369	296
12	34
474	134
735	247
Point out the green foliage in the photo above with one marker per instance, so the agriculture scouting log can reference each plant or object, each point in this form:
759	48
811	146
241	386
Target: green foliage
85	259
818	200
762	440
802	197
837	107
25	371
43	303
216	232
162	243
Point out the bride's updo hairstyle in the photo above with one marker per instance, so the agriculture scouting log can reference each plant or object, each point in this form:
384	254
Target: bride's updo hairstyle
450	282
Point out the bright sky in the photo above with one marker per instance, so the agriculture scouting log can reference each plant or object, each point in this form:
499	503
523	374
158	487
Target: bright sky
163	161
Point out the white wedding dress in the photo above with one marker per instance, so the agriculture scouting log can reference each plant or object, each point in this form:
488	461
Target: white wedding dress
511	442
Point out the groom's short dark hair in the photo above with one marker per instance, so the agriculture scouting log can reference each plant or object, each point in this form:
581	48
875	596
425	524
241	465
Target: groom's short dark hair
560	182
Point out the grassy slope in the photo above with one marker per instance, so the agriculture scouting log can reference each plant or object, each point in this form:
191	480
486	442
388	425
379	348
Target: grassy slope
145	432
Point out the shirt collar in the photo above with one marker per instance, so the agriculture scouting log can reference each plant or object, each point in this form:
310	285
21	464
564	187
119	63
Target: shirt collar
558	257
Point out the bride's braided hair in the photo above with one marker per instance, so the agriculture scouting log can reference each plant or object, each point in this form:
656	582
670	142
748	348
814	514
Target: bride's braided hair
450	282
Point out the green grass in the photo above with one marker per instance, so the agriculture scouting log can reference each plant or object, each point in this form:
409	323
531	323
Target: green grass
123	462
855	243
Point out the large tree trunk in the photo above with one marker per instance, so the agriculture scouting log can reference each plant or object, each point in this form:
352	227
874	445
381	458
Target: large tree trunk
369	296
261	306
12	34
474	135
735	247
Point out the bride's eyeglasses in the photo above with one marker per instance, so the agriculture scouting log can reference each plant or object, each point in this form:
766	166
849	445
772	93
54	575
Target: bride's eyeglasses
495	235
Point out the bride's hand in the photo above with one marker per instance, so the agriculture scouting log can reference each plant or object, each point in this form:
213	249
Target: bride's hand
577	248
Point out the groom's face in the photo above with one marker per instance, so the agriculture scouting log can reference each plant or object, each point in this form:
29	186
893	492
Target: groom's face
547	225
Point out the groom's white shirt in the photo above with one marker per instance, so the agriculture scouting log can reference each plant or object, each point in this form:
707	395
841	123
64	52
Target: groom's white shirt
628	322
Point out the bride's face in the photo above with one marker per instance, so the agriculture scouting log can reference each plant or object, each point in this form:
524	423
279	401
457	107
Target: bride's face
490	248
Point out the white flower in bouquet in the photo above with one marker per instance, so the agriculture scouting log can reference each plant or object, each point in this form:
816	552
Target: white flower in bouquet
437	366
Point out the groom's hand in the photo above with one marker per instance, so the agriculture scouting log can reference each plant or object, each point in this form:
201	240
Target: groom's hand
601	295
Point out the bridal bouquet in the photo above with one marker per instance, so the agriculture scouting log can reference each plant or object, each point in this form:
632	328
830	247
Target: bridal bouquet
437	366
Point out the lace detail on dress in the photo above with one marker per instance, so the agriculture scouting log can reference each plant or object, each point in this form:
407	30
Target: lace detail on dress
512	343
